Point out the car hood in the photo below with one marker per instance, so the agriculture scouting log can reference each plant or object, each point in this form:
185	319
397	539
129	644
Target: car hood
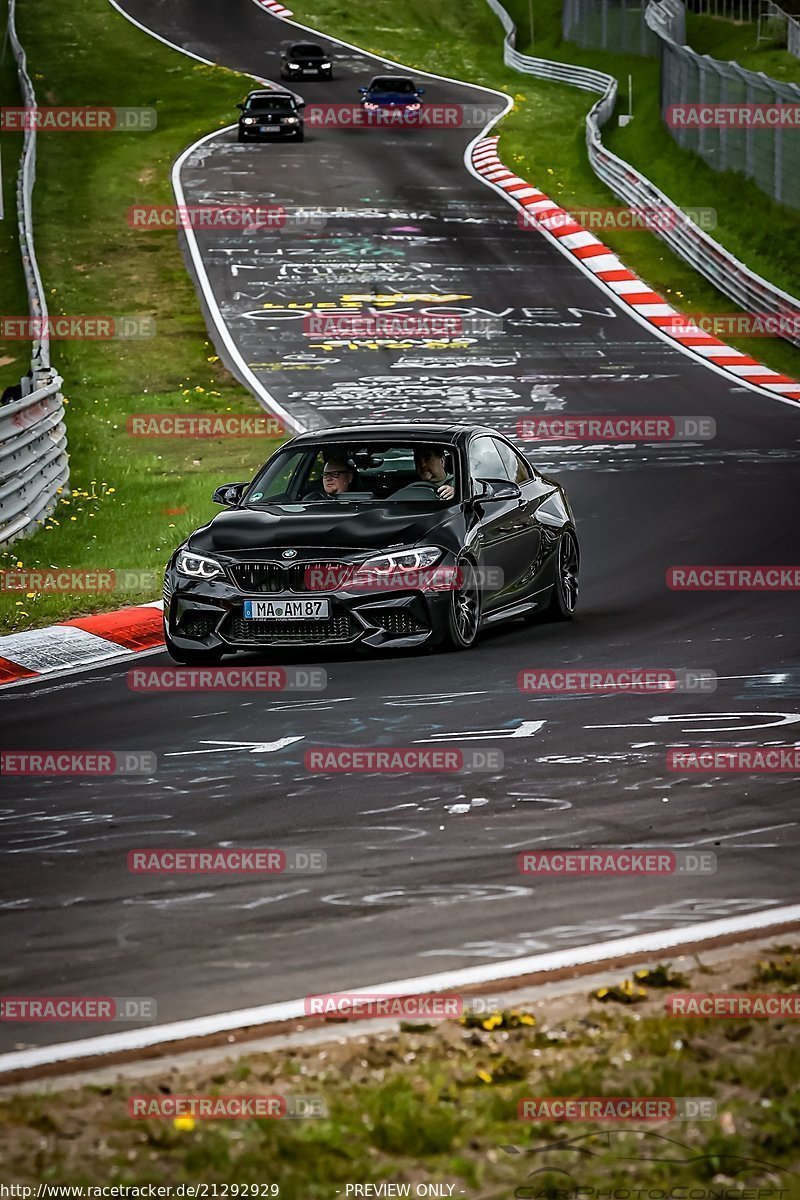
324	526
392	97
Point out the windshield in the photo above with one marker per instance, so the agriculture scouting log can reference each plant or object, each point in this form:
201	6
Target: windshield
359	473
270	104
392	85
307	51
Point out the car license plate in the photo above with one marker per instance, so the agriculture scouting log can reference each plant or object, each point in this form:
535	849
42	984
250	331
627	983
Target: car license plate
309	70
269	128
287	610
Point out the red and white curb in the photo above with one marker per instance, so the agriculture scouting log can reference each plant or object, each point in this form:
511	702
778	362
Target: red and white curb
83	642
276	9
610	272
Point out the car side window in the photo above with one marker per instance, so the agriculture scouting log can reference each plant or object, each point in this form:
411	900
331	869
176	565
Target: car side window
516	469
485	461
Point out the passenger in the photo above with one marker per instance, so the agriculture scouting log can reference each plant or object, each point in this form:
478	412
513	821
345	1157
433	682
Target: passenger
337	477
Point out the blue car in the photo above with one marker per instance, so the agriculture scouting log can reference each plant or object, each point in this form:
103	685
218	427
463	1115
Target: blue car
392	92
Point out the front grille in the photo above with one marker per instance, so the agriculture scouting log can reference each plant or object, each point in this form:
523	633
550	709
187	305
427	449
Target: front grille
289	633
197	624
397	621
275	577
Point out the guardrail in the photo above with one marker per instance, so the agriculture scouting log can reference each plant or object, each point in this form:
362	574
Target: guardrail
33	460
747	289
33	442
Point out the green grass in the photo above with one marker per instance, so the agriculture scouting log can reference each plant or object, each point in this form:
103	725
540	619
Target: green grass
735	41
544	140
132	499
440	1104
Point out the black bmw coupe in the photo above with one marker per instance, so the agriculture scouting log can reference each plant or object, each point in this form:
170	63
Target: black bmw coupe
384	536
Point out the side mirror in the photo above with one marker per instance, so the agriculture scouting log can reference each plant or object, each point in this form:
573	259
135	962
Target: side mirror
363	91
229	494
420	91
240	106
301	104
496	489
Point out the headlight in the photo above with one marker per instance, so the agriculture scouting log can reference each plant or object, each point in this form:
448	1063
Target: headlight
326	65
197	566
368	104
403	560
413	107
248	120
291	120
294	66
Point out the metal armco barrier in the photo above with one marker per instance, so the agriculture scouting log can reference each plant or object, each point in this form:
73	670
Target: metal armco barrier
33	460
33	442
747	289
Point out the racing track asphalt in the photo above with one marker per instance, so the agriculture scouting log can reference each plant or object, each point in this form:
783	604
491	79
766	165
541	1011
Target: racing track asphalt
422	869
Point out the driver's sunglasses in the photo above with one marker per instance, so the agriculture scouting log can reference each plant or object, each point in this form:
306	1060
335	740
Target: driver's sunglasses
333	474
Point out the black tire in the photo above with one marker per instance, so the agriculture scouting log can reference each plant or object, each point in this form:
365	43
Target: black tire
300	137
564	598
464	616
191	658
240	137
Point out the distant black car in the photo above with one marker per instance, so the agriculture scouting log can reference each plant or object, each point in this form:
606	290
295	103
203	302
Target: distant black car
304	60
387	536
271	114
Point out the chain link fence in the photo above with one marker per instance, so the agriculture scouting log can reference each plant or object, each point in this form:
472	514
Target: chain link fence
733	278
617	25
748	139
776	25
751	137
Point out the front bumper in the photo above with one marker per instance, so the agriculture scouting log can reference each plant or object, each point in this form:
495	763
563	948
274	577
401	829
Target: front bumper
307	72
209	615
252	133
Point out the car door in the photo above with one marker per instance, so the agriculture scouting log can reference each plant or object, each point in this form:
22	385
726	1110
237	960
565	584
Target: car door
529	541
504	525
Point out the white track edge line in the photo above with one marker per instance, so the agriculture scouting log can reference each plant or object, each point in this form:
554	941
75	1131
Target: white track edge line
262	395
265	398
206	61
197	1027
81	668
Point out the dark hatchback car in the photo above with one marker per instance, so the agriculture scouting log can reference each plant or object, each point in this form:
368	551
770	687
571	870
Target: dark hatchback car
269	115
431	533
392	92
304	60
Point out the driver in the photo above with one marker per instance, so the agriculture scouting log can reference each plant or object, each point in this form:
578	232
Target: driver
430	464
